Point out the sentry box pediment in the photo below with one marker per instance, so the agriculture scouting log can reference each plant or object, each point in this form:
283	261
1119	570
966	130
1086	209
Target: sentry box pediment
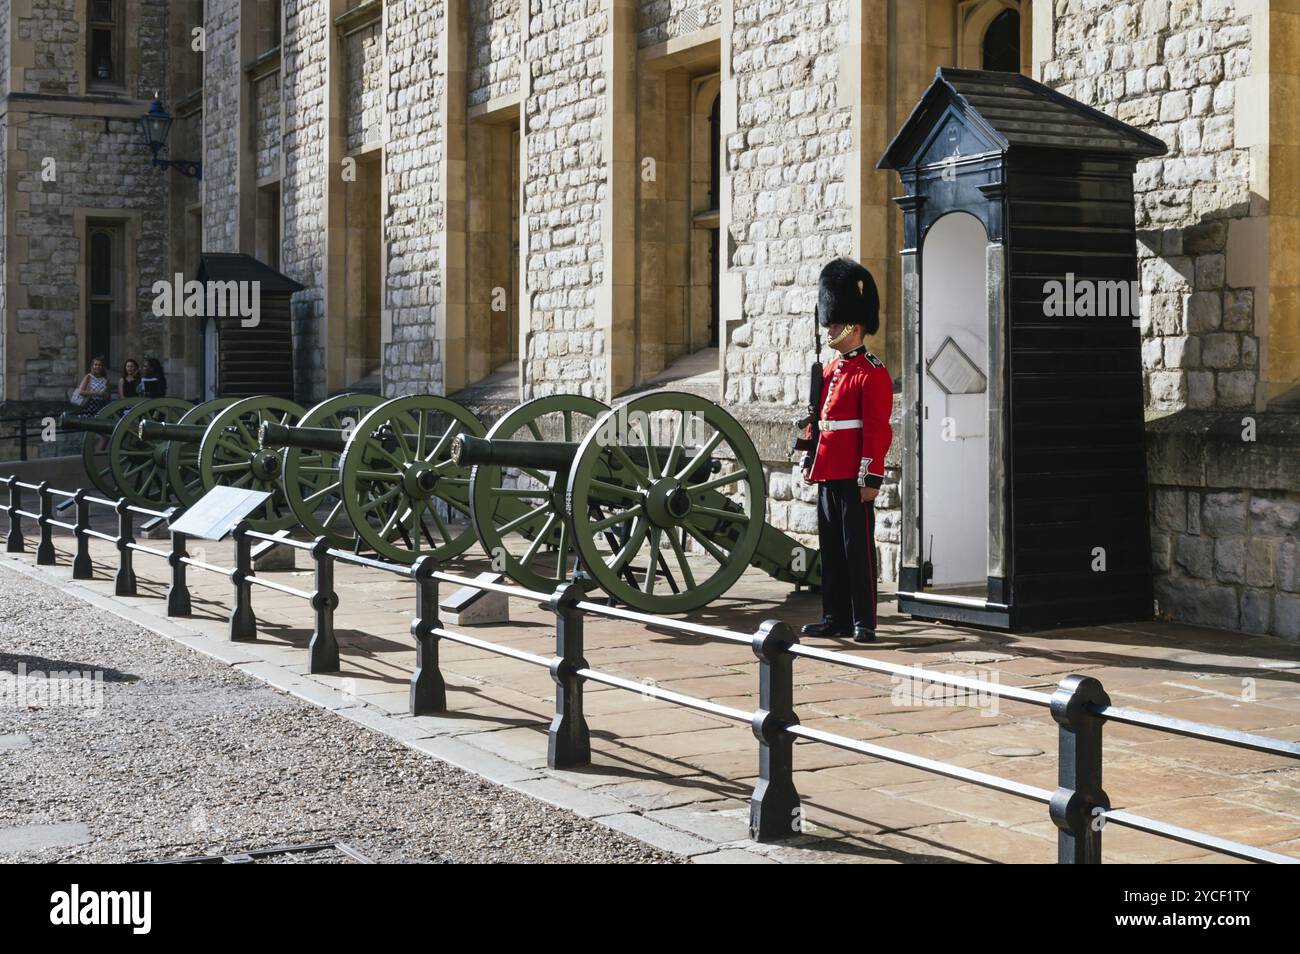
1024	474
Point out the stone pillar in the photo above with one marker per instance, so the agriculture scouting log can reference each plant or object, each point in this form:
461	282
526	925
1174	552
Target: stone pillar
579	192
451	318
335	313
616	293
1280	332
864	90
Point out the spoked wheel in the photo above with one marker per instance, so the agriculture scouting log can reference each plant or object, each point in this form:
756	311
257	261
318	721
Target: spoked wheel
230	456
94	449
689	477
404	494
311	477
183	475
519	511
140	467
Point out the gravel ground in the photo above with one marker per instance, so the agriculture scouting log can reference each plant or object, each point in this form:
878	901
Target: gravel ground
188	757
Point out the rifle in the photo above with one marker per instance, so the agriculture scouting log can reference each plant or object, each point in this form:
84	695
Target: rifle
807	433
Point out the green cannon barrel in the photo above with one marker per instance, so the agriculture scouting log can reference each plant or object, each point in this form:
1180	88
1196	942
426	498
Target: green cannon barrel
181	433
92	425
276	435
469	451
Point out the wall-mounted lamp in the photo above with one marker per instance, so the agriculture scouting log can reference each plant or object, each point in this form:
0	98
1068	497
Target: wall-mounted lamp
155	126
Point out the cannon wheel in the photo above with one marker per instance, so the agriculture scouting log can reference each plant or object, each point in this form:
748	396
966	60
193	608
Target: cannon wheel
311	477
140	467
395	469
183	475
230	456
523	528
675	501
95	459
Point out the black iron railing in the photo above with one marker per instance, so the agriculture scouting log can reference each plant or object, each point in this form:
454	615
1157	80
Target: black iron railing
1078	806
24	431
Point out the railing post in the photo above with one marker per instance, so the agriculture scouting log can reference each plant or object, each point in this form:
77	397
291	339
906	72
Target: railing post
323	650
774	809
428	690
45	549
124	582
178	593
82	567
1074	806
243	624
14	538
568	741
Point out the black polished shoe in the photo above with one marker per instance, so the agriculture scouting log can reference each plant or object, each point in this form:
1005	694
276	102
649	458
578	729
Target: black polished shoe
863	635
827	627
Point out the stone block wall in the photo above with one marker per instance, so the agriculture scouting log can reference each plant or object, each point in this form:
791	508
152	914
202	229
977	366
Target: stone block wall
148	61
789	211
493	50
1224	510
364	59
302	57
60	168
1173	68
1225	521
414	214
4	68
662	20
4	241
51	29
222	77
104	172
56	68
565	184
266	102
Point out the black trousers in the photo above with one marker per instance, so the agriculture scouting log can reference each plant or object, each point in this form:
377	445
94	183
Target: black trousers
846	529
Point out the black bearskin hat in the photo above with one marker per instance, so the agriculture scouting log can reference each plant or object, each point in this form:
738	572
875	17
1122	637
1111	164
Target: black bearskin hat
846	295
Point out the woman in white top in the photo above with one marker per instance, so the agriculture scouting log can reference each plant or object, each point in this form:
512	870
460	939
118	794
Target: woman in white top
94	387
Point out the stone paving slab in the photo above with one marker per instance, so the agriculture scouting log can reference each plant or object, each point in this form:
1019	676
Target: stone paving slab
681	779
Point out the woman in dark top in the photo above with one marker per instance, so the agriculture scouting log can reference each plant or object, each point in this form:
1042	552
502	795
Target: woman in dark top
153	382
129	385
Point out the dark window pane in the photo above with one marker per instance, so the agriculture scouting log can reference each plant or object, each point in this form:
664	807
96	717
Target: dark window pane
1001	49
102	11
101	264
101	54
101	327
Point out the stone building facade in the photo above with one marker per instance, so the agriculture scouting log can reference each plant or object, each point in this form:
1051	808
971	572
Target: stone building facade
76	188
590	196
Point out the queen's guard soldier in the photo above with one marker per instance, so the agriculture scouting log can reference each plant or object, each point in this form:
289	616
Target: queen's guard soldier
847	437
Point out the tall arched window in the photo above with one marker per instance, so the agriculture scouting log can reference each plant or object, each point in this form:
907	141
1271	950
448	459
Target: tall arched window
1000	49
105	285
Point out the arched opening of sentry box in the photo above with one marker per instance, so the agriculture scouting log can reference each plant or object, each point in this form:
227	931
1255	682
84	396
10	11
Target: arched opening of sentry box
954	413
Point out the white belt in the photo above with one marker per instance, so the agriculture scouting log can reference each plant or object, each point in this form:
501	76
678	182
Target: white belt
839	425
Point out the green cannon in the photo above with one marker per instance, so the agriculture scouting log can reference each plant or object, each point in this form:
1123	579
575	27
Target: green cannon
658	501
117	461
215	444
385	466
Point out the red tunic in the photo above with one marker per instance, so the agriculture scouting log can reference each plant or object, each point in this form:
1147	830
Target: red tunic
855	386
